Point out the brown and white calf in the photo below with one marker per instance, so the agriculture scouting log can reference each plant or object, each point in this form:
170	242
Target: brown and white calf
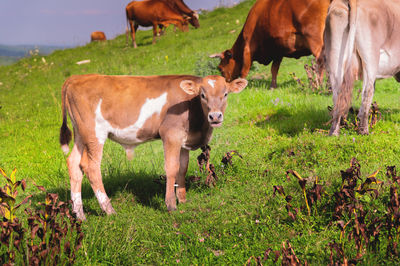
180	110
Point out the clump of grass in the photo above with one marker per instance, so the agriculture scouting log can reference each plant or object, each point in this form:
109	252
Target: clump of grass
205	66
314	84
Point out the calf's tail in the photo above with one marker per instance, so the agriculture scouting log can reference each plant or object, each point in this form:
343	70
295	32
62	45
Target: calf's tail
65	132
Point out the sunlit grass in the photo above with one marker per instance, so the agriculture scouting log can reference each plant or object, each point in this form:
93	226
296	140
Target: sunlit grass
218	225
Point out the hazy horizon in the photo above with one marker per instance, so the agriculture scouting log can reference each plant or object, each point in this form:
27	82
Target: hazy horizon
69	23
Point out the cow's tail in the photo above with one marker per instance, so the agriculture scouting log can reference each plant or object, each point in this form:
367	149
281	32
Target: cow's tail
345	92
65	132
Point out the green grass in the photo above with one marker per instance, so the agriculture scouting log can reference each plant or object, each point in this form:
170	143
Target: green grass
226	224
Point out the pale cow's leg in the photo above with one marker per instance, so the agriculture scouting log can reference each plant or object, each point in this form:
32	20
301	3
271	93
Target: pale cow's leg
369	54
276	63
180	180
367	95
91	161
76	177
335	127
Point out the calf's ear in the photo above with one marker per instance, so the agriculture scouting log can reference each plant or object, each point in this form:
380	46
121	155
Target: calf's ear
189	86
237	85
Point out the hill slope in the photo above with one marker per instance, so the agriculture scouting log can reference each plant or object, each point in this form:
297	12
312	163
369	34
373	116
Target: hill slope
274	131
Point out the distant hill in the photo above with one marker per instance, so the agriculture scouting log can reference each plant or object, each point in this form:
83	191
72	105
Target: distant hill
12	53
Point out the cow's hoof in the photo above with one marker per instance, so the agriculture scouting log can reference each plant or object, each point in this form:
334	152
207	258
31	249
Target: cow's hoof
363	131
108	208
334	133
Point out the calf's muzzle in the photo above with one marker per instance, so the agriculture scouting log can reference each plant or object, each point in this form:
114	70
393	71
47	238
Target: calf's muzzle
215	118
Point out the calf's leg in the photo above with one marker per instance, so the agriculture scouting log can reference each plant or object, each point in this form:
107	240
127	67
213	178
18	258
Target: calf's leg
172	155
180	180
91	161
76	177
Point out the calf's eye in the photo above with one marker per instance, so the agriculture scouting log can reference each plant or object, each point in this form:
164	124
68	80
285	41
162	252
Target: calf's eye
202	96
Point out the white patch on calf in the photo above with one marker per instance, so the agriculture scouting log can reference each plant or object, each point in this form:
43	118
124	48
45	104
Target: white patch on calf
127	136
150	107
65	148
76	198
211	82
101	197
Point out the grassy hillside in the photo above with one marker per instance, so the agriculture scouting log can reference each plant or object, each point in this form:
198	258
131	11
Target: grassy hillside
11	53
239	218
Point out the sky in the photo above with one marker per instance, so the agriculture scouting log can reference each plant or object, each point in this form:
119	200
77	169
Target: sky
69	22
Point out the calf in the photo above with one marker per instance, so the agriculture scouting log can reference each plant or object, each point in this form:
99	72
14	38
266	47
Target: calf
361	39
178	109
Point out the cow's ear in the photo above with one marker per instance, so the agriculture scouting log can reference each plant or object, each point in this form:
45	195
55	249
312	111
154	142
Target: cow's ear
237	85
190	87
217	55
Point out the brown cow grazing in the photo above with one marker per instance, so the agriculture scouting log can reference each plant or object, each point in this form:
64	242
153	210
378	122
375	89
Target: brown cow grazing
97	36
184	10
361	37
180	110
275	29
152	13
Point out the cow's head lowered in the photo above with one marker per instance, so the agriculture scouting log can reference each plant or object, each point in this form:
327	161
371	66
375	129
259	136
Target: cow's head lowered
229	67
213	92
194	19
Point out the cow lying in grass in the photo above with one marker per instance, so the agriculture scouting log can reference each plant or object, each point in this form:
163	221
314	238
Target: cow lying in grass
180	110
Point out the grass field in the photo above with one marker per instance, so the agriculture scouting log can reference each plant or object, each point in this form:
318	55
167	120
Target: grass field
239	217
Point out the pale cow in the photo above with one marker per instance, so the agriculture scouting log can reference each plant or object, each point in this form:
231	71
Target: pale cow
362	38
180	110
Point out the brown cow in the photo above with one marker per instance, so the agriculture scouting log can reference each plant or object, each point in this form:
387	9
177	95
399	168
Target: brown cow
361	38
182	8
180	110
275	29
97	36
152	13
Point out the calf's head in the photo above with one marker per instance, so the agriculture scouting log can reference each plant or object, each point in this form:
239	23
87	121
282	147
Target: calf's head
213	92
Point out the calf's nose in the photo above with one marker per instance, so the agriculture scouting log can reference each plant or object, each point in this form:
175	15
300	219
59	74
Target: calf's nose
215	116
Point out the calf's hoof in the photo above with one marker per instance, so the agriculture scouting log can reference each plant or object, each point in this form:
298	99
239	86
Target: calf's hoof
181	195
78	211
108	208
171	205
